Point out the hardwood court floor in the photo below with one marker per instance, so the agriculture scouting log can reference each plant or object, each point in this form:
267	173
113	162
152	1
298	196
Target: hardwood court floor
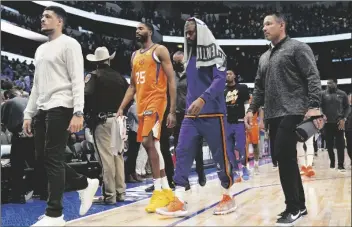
259	200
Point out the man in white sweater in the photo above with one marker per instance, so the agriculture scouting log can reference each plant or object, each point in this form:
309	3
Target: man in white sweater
56	104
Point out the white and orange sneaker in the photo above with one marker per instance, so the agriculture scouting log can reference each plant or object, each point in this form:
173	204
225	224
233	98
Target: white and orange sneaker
176	208
225	206
310	172
303	170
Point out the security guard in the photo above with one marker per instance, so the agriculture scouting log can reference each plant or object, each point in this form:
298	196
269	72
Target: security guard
104	92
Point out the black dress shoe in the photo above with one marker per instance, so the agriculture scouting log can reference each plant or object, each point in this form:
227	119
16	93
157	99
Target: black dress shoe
130	179
18	199
136	177
188	187
100	200
150	189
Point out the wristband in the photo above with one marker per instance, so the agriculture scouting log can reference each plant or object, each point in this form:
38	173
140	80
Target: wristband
200	98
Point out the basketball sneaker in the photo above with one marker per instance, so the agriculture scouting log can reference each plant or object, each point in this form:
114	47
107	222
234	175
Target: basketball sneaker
245	172
176	208
237	177
310	172
169	194
304	212
225	206
158	199
289	219
341	169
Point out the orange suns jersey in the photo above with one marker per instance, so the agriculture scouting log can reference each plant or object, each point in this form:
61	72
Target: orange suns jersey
150	81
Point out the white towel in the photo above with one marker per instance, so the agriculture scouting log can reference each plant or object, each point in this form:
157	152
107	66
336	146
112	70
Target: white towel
208	51
118	135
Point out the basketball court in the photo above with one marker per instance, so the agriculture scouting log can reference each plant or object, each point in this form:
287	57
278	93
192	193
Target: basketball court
259	200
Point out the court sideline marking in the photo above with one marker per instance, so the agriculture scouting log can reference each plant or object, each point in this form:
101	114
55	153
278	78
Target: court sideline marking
238	193
123	206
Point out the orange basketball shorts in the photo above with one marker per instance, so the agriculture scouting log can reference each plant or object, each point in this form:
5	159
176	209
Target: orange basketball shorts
253	135
149	123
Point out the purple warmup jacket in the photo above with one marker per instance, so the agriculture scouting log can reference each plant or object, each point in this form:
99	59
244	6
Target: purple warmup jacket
207	83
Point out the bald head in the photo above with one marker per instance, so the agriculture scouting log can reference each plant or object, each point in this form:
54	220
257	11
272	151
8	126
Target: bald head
178	57
178	61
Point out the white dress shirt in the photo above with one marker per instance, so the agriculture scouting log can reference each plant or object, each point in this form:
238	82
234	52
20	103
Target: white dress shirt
58	78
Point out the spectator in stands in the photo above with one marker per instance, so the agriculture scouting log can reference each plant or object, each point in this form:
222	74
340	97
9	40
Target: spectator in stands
57	105
22	147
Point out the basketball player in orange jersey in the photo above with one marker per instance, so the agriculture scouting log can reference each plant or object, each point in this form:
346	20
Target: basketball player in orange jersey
152	74
252	137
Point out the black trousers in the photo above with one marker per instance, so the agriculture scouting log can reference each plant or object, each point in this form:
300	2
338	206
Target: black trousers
132	153
333	134
51	135
165	151
22	151
349	143
323	141
272	147
315	144
283	131
199	156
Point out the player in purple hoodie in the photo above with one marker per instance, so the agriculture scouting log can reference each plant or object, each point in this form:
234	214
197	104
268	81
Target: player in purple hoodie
205	117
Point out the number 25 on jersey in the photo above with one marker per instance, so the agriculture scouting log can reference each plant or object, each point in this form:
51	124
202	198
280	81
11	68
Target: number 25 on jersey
140	77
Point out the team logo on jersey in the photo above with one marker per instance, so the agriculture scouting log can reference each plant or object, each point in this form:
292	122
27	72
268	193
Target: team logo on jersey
87	78
232	96
147	113
141	62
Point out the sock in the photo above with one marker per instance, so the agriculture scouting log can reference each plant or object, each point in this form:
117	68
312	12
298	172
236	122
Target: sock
310	158
226	191
165	183
256	151
157	184
310	151
180	193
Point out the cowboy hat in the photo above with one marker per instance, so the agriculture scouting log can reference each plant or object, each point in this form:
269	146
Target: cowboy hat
100	54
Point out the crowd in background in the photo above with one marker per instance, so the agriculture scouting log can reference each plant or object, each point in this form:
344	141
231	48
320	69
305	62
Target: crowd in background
235	22
238	22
